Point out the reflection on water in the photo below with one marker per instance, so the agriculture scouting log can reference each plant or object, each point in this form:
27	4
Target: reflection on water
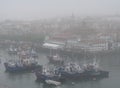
109	62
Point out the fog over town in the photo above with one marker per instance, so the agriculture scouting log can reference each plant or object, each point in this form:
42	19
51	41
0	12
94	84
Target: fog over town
39	9
59	43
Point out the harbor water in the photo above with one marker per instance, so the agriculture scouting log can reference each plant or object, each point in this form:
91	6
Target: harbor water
109	62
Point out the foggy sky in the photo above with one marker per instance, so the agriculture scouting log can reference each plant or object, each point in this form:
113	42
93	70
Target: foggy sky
37	9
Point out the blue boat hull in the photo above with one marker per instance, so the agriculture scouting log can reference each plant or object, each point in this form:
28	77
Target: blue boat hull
85	75
74	76
21	68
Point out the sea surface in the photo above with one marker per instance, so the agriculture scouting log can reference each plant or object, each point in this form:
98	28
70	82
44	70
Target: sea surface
109	62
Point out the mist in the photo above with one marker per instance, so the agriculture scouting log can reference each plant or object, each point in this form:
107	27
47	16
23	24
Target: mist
59	43
42	9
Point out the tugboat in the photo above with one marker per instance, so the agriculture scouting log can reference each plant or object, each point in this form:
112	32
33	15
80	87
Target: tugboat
88	72
22	65
73	71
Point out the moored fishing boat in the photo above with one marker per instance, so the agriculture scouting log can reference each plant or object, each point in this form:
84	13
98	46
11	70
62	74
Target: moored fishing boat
22	65
73	71
88	71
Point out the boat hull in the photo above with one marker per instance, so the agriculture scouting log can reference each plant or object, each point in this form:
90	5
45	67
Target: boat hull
76	76
21	68
43	78
85	75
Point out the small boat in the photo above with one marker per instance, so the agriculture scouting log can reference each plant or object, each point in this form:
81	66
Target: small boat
55	59
23	65
52	82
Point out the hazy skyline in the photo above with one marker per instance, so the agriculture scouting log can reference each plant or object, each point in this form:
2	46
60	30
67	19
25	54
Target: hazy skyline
37	9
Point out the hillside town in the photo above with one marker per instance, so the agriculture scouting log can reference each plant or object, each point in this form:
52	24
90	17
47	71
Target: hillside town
72	32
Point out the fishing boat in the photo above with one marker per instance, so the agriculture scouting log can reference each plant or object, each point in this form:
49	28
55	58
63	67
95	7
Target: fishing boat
88	71
22	65
73	71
